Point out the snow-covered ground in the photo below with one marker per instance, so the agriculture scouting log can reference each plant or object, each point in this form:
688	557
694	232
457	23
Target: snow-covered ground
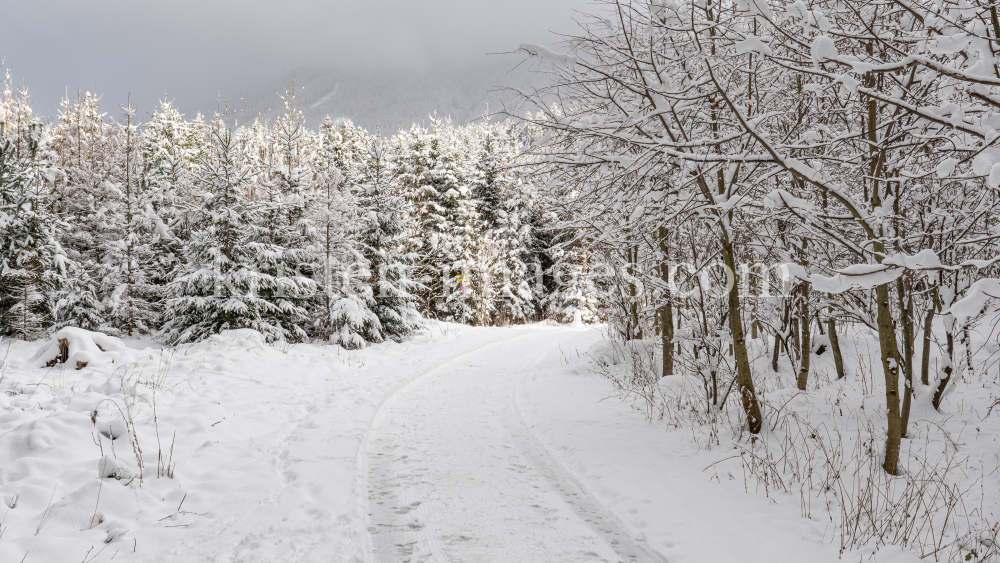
265	460
464	444
655	480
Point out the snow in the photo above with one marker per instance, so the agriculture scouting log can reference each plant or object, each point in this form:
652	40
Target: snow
823	48
456	475
984	161
682	486
976	298
926	259
755	7
462	444
656	482
265	459
947	167
92	348
753	44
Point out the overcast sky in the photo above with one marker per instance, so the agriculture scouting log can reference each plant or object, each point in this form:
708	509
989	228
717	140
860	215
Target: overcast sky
195	49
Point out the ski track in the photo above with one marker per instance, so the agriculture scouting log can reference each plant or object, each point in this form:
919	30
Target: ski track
454	473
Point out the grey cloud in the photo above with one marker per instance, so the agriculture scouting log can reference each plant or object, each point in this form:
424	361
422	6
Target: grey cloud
197	50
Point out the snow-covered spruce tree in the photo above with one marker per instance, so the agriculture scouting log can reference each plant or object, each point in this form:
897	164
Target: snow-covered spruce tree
383	229
332	220
32	265
221	286
284	189
574	299
434	178
345	146
354	322
504	293
81	142
171	150
133	301
342	311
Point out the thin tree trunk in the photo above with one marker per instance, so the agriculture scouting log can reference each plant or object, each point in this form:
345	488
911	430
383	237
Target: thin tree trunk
838	357
666	310
750	404
779	341
775	352
906	319
925	360
890	367
949	368
796	346
805	337
967	343
632	256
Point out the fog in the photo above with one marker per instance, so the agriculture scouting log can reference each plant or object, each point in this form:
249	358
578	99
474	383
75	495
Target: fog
197	52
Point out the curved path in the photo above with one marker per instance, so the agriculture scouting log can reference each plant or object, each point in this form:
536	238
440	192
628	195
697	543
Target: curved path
454	473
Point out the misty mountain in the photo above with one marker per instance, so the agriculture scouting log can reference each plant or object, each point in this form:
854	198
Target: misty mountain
390	101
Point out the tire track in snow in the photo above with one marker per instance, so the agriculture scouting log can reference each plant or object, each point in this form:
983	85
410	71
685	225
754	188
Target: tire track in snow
457	474
362	469
288	485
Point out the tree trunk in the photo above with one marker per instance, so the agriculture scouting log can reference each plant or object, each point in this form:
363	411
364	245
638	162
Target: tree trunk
890	367
925	360
635	331
778	340
804	338
949	330
949	368
838	358
796	345
745	378
776	352
906	318
666	310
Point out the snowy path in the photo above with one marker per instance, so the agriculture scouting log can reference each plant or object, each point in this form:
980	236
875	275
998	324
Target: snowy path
280	478
456	475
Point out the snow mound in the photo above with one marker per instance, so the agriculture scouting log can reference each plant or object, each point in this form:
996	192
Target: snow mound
111	468
112	428
241	339
81	348
604	350
613	353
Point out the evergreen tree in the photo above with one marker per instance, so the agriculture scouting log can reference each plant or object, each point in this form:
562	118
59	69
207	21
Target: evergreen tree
383	229
575	297
433	176
132	299
32	265
284	228
344	309
354	323
222	287
171	150
80	200
346	147
505	295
